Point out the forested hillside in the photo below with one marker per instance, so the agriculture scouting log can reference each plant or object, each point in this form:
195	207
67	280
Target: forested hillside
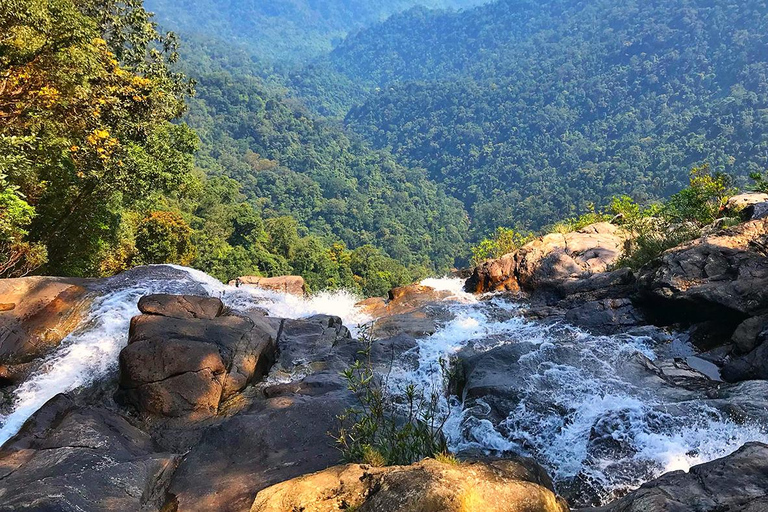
529	111
283	29
100	173
291	164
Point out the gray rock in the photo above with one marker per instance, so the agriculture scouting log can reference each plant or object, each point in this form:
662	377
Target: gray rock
750	333
181	306
747	367
606	315
736	483
71	458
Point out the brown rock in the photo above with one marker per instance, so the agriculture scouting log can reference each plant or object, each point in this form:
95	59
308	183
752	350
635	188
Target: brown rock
503	485
293	285
741	201
185	366
553	257
722	276
45	310
409	310
181	306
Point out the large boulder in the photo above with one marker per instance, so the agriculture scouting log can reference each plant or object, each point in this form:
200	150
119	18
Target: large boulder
70	458
183	360
411	310
181	306
736	483
293	285
494	486
739	202
553	257
281	436
36	314
721	276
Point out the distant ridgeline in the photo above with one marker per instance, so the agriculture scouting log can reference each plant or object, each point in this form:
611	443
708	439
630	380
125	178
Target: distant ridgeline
283	29
528	111
100	170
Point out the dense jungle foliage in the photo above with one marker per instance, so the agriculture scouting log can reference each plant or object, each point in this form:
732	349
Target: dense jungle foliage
97	174
379	161
283	29
530	111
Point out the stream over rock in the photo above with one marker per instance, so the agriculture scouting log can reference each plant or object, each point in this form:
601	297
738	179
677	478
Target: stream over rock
603	414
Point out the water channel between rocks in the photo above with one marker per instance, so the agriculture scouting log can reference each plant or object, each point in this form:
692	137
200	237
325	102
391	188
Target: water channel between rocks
602	414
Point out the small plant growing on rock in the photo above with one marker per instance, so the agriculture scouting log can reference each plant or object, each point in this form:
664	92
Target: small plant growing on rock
385	428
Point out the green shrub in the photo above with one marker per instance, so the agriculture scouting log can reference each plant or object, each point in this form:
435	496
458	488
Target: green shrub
385	428
569	225
656	228
504	241
703	200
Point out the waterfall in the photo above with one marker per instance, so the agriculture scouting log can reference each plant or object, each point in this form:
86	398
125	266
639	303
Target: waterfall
586	407
91	352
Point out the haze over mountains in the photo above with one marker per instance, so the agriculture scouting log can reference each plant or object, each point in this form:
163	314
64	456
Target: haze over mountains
284	29
524	111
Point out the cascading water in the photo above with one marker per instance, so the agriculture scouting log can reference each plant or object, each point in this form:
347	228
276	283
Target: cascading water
586	407
91	351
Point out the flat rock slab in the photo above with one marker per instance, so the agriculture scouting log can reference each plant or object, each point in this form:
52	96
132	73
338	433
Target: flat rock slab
278	439
181	306
495	486
71	458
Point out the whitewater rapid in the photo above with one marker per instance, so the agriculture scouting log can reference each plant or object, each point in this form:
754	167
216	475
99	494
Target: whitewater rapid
575	383
90	353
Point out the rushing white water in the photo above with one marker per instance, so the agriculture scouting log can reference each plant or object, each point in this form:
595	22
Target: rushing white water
91	352
586	408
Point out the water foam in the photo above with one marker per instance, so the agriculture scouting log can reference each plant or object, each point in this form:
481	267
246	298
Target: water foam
91	352
575	385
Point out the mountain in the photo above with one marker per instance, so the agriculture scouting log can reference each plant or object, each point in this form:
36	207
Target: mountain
290	163
529	111
283	29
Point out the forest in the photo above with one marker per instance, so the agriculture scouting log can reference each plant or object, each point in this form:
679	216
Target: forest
285	30
531	111
358	151
99	171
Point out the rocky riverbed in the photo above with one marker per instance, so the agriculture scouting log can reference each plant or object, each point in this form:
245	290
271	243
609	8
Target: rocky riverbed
573	385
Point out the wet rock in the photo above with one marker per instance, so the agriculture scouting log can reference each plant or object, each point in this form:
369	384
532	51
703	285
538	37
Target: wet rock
185	364
736	483
494	377
553	257
404	299
501	485
606	315
181	306
753	365
70	458
710	334
750	333
38	313
417	324
722	276
318	341
293	285
412	310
